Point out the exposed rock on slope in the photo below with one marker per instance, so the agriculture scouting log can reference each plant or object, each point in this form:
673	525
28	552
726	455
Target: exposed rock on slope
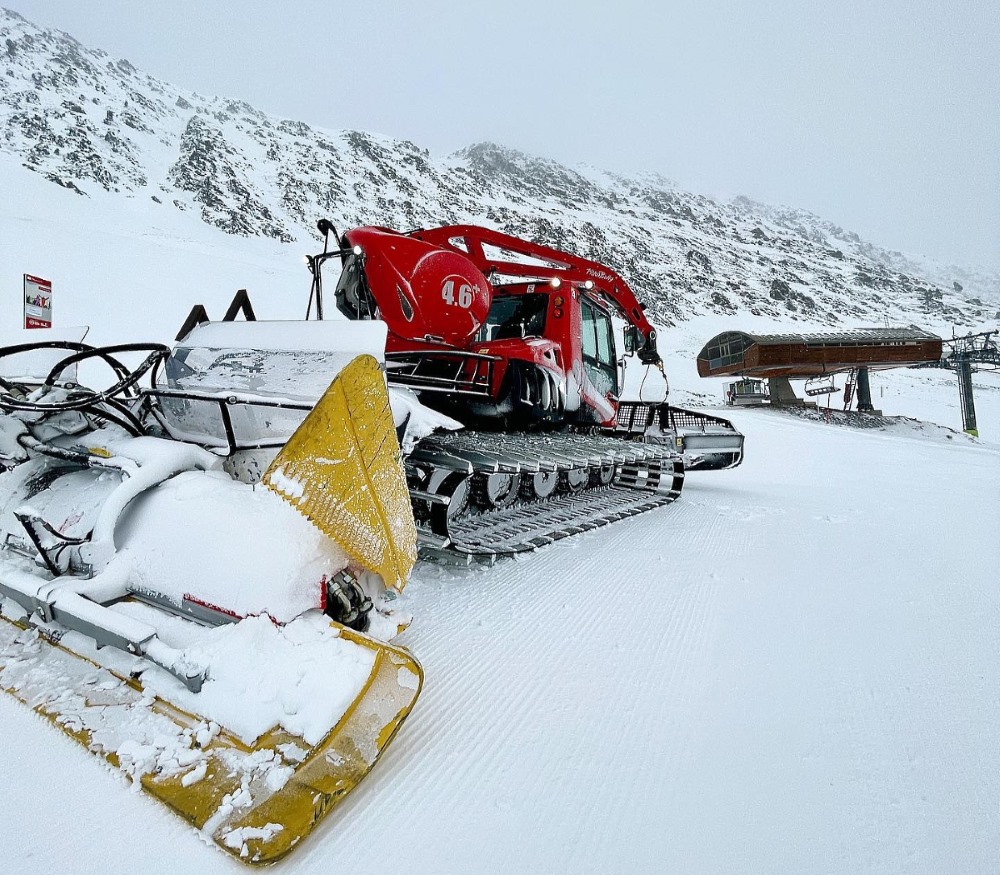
87	121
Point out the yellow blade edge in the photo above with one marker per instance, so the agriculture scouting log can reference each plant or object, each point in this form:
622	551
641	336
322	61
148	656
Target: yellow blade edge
256	821
342	470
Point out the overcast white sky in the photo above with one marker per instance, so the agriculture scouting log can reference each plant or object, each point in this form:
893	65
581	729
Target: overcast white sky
882	116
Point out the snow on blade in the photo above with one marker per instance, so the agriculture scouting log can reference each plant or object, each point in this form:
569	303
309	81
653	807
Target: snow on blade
237	838
301	676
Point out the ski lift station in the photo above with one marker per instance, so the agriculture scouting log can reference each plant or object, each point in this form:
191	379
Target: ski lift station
779	358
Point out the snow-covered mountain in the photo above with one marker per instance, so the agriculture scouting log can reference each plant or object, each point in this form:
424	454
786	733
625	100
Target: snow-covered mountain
89	122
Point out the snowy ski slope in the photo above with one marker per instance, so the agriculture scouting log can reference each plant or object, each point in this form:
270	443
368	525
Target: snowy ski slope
791	669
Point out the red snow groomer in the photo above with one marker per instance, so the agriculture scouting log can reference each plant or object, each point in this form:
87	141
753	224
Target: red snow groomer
506	343
518	341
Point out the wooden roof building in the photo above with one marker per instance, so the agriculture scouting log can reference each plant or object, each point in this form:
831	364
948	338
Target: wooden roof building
737	353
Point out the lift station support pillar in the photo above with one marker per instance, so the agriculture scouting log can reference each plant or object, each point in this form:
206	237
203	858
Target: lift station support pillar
964	369
864	392
780	391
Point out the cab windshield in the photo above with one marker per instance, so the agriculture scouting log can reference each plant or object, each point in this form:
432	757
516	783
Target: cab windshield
514	316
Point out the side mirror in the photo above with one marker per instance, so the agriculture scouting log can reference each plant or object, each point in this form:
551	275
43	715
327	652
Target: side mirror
633	340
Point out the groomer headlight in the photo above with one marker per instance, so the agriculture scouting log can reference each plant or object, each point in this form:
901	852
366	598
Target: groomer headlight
356	250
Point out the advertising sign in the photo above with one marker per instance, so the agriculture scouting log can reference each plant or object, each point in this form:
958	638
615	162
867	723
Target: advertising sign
37	302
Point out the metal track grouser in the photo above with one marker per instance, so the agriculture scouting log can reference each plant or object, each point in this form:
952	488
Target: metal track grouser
488	494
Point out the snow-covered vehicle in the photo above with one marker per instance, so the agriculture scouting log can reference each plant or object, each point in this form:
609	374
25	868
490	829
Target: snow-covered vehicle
198	577
518	341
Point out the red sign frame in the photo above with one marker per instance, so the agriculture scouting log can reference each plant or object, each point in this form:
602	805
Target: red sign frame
37	302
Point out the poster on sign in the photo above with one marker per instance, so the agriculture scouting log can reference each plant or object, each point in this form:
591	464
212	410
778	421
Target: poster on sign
37	302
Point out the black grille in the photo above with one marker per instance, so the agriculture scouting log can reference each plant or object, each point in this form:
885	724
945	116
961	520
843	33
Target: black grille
635	416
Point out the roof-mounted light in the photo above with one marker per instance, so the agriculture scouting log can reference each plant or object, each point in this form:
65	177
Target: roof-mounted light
589	284
555	282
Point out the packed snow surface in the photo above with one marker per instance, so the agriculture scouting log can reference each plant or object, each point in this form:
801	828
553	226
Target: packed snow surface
790	669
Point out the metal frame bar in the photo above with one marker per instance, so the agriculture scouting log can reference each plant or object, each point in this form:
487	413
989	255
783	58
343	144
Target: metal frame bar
478	386
223	404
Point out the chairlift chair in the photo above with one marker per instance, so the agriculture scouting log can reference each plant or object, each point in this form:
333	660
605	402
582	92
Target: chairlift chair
820	386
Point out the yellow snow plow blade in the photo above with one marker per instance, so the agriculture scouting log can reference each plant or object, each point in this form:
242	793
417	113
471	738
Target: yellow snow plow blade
257	801
342	470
